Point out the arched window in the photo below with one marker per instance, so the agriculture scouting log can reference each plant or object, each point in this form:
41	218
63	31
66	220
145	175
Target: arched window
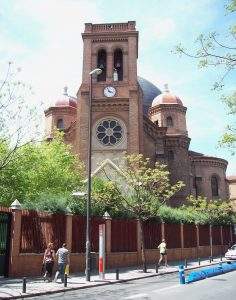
102	64
171	155
60	124
214	186
169	121
118	64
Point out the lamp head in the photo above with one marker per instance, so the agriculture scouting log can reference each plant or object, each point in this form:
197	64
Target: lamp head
96	71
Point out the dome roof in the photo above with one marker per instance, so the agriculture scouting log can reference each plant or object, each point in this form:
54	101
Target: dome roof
166	98
66	100
150	91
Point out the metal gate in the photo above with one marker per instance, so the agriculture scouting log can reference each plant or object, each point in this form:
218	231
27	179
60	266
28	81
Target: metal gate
5	224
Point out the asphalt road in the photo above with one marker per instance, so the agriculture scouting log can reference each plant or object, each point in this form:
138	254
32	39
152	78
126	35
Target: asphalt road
166	287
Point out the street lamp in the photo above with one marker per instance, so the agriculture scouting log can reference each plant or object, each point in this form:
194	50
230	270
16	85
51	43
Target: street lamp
96	72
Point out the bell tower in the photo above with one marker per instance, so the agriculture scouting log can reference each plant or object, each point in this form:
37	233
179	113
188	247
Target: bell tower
116	98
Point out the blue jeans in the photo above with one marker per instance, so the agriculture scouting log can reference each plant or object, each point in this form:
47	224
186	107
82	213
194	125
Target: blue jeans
61	272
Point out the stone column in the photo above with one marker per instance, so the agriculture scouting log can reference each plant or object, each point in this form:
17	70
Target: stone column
198	240
182	235
108	232
222	240
69	219
139	249
182	239
162	230
110	66
15	238
210	237
125	65
231	234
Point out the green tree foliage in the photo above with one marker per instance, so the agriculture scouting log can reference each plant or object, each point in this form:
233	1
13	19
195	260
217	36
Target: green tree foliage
147	189
219	50
40	168
209	211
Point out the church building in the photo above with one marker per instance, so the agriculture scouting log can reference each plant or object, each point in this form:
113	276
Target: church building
131	115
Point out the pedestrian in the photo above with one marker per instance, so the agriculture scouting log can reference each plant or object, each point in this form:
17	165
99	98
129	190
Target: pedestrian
163	252
63	260
48	262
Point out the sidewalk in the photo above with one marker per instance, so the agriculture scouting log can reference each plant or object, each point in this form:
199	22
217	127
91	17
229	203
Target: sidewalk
12	288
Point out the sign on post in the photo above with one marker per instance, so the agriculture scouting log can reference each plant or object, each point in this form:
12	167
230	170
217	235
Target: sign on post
102	251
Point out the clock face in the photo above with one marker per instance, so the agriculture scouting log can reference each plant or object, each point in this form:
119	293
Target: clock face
109	91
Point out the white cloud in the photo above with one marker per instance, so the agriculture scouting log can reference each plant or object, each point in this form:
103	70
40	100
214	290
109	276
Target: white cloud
58	60
164	28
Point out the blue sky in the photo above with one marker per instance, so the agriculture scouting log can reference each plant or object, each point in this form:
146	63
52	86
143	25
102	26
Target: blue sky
43	37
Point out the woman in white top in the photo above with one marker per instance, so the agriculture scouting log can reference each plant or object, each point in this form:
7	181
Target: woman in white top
163	252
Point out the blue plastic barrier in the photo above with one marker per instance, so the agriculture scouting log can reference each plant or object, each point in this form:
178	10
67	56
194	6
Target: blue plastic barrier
210	272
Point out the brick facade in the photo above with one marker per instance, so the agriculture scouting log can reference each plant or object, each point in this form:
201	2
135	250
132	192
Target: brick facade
161	133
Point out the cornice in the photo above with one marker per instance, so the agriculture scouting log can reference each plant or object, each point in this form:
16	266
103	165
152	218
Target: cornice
60	109
167	107
110	105
180	141
109	35
209	161
109	39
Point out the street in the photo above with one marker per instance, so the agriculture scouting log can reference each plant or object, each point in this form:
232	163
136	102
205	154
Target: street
165	287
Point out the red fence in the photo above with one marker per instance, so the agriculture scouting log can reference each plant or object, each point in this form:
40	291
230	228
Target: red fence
226	235
79	233
172	235
5	209
216	235
152	234
190	235
38	229
123	235
204	235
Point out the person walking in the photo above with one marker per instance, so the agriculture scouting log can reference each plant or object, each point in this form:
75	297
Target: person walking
63	260
163	252
48	262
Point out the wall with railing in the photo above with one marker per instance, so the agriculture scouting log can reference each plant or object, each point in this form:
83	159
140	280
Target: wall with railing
31	231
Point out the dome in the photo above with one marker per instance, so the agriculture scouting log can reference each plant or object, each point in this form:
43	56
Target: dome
166	98
66	100
150	91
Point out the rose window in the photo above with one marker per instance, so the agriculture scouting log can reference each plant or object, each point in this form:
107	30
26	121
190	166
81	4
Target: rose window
109	132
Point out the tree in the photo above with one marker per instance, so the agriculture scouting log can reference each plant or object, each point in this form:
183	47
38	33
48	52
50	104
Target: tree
147	189
209	211
18	119
218	50
40	170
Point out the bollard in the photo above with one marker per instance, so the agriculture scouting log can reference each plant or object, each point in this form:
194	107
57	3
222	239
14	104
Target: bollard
221	257
181	275
210	259
117	274
199	261
65	280
144	268
186	263
157	267
24	285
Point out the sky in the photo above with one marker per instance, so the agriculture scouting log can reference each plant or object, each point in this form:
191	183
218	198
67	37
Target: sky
43	38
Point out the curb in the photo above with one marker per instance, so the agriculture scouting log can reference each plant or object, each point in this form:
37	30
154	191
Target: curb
102	284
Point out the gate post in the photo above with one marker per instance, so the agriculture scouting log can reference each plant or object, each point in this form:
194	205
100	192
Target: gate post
69	221
15	238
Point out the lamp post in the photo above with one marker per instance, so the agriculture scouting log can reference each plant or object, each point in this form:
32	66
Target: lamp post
96	72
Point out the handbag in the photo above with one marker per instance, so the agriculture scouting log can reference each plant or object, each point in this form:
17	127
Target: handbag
67	270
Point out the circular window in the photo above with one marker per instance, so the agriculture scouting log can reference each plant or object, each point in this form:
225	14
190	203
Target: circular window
109	132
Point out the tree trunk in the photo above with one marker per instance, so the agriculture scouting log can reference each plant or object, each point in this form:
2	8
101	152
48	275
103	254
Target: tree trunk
143	247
